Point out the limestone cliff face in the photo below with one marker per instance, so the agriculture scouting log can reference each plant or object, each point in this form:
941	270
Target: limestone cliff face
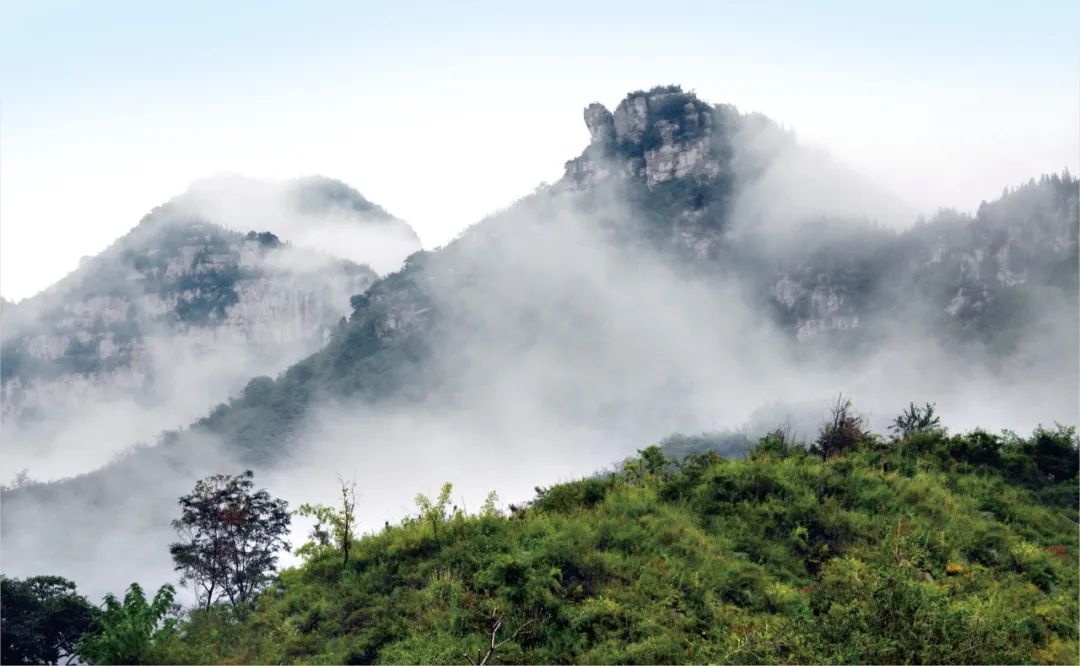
661	135
670	153
980	272
684	165
178	300
816	307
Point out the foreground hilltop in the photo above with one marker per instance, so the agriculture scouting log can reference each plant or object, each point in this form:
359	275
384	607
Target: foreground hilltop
926	549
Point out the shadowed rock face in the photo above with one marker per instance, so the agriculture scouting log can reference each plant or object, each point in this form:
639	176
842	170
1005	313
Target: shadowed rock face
180	302
600	123
187	278
185	285
660	135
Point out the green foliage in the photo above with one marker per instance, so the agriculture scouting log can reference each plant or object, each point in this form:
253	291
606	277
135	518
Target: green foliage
490	508
915	419
928	549
43	618
433	512
777	444
843	431
126	632
340	521
230	536
1054	453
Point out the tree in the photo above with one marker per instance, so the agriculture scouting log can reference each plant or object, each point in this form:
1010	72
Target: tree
843	431
490	507
435	511
915	419
341	522
43	618
1055	452
778	443
230	538
125	631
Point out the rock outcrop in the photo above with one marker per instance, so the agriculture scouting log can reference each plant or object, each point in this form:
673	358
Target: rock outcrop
180	313
171	289
661	135
966	273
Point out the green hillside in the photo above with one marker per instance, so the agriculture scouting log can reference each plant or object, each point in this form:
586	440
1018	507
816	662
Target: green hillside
933	549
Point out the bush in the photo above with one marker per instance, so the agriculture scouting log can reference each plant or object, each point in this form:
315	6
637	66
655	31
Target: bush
843	431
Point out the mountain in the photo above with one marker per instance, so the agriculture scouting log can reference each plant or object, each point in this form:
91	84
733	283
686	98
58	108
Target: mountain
976	277
695	269
653	208
180	301
709	171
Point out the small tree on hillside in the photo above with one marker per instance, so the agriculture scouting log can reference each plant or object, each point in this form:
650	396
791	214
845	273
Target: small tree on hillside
435	511
843	430
338	524
915	419
230	537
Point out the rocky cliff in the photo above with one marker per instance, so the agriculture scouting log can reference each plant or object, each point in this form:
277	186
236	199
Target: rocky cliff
169	320
688	166
975	277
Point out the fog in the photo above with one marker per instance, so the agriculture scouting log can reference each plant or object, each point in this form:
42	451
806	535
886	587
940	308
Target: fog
77	422
87	421
314	213
556	348
793	182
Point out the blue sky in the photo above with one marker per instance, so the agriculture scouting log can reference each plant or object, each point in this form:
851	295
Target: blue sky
443	112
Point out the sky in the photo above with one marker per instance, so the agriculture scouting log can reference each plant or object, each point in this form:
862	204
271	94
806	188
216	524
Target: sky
445	112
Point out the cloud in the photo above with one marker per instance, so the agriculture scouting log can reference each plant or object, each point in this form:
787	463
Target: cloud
288	299
315	213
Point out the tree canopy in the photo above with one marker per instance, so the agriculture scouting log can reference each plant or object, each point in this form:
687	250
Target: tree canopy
230	537
43	618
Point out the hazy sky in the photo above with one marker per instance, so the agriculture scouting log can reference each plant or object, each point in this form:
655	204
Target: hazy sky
444	111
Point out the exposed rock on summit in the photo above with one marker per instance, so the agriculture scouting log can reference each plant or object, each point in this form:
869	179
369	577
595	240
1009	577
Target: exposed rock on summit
661	135
600	123
99	332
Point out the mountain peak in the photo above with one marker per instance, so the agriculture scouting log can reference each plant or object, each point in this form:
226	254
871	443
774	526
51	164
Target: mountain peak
320	194
661	135
600	122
